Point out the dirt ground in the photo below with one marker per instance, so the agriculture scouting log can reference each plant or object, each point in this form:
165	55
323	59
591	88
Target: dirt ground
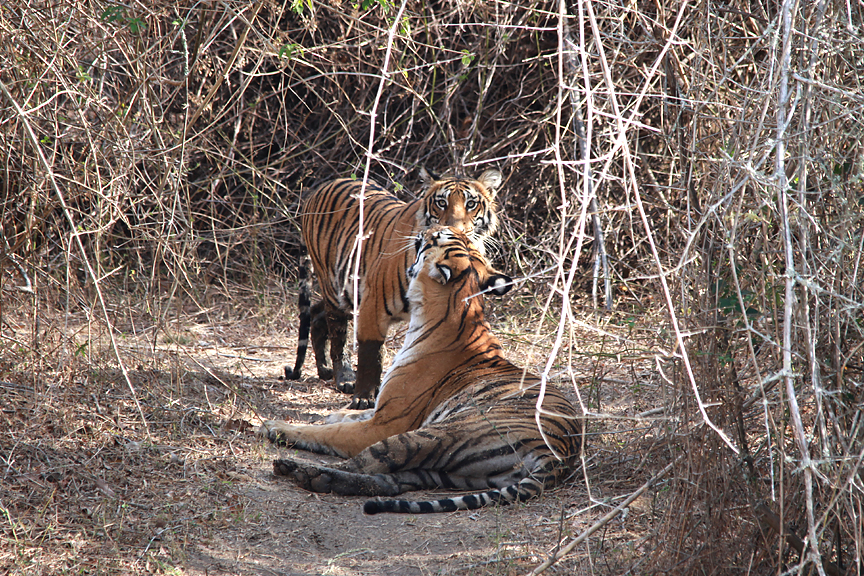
87	488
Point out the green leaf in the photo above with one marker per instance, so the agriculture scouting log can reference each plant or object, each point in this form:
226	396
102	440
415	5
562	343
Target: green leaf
113	13
288	50
136	25
729	304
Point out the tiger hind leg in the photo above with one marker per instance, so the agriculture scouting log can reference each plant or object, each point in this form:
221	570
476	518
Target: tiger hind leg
325	480
346	481
320	339
337	332
304	299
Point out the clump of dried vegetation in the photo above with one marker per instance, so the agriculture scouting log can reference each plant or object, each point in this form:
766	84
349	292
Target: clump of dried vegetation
152	157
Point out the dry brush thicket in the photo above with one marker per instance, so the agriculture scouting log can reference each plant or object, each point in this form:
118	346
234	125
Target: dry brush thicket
159	150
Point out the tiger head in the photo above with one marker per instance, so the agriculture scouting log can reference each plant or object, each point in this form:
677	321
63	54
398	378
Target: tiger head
449	268
462	203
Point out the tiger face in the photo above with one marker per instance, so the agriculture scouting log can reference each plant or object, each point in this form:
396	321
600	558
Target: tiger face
464	204
444	254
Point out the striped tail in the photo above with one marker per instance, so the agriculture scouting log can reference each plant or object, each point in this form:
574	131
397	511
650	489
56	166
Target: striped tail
526	489
304	302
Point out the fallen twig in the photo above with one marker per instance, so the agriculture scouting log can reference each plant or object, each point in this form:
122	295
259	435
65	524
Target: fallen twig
603	521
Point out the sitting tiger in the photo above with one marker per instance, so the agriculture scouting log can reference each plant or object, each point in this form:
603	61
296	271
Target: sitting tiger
452	411
330	221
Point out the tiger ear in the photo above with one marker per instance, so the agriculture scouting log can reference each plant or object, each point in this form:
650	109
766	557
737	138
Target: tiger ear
491	179
427	177
498	284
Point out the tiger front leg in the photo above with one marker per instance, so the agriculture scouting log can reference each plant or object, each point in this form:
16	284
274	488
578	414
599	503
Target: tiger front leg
373	321
322	439
369	361
346	438
325	480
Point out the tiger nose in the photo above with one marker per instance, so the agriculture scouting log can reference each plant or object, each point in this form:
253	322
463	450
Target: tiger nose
456	218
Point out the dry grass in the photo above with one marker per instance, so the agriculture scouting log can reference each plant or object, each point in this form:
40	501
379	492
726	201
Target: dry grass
90	487
152	157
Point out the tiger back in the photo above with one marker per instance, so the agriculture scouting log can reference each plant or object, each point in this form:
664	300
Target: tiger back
452	412
330	222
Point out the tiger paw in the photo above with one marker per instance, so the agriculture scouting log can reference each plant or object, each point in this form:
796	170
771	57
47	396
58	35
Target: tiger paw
308	477
274	431
345	380
284	467
361	403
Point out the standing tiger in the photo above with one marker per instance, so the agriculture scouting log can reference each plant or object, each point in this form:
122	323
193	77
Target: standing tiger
330	221
452	411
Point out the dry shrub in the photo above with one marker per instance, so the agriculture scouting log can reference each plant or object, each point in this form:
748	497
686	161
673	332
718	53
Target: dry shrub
160	150
795	421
